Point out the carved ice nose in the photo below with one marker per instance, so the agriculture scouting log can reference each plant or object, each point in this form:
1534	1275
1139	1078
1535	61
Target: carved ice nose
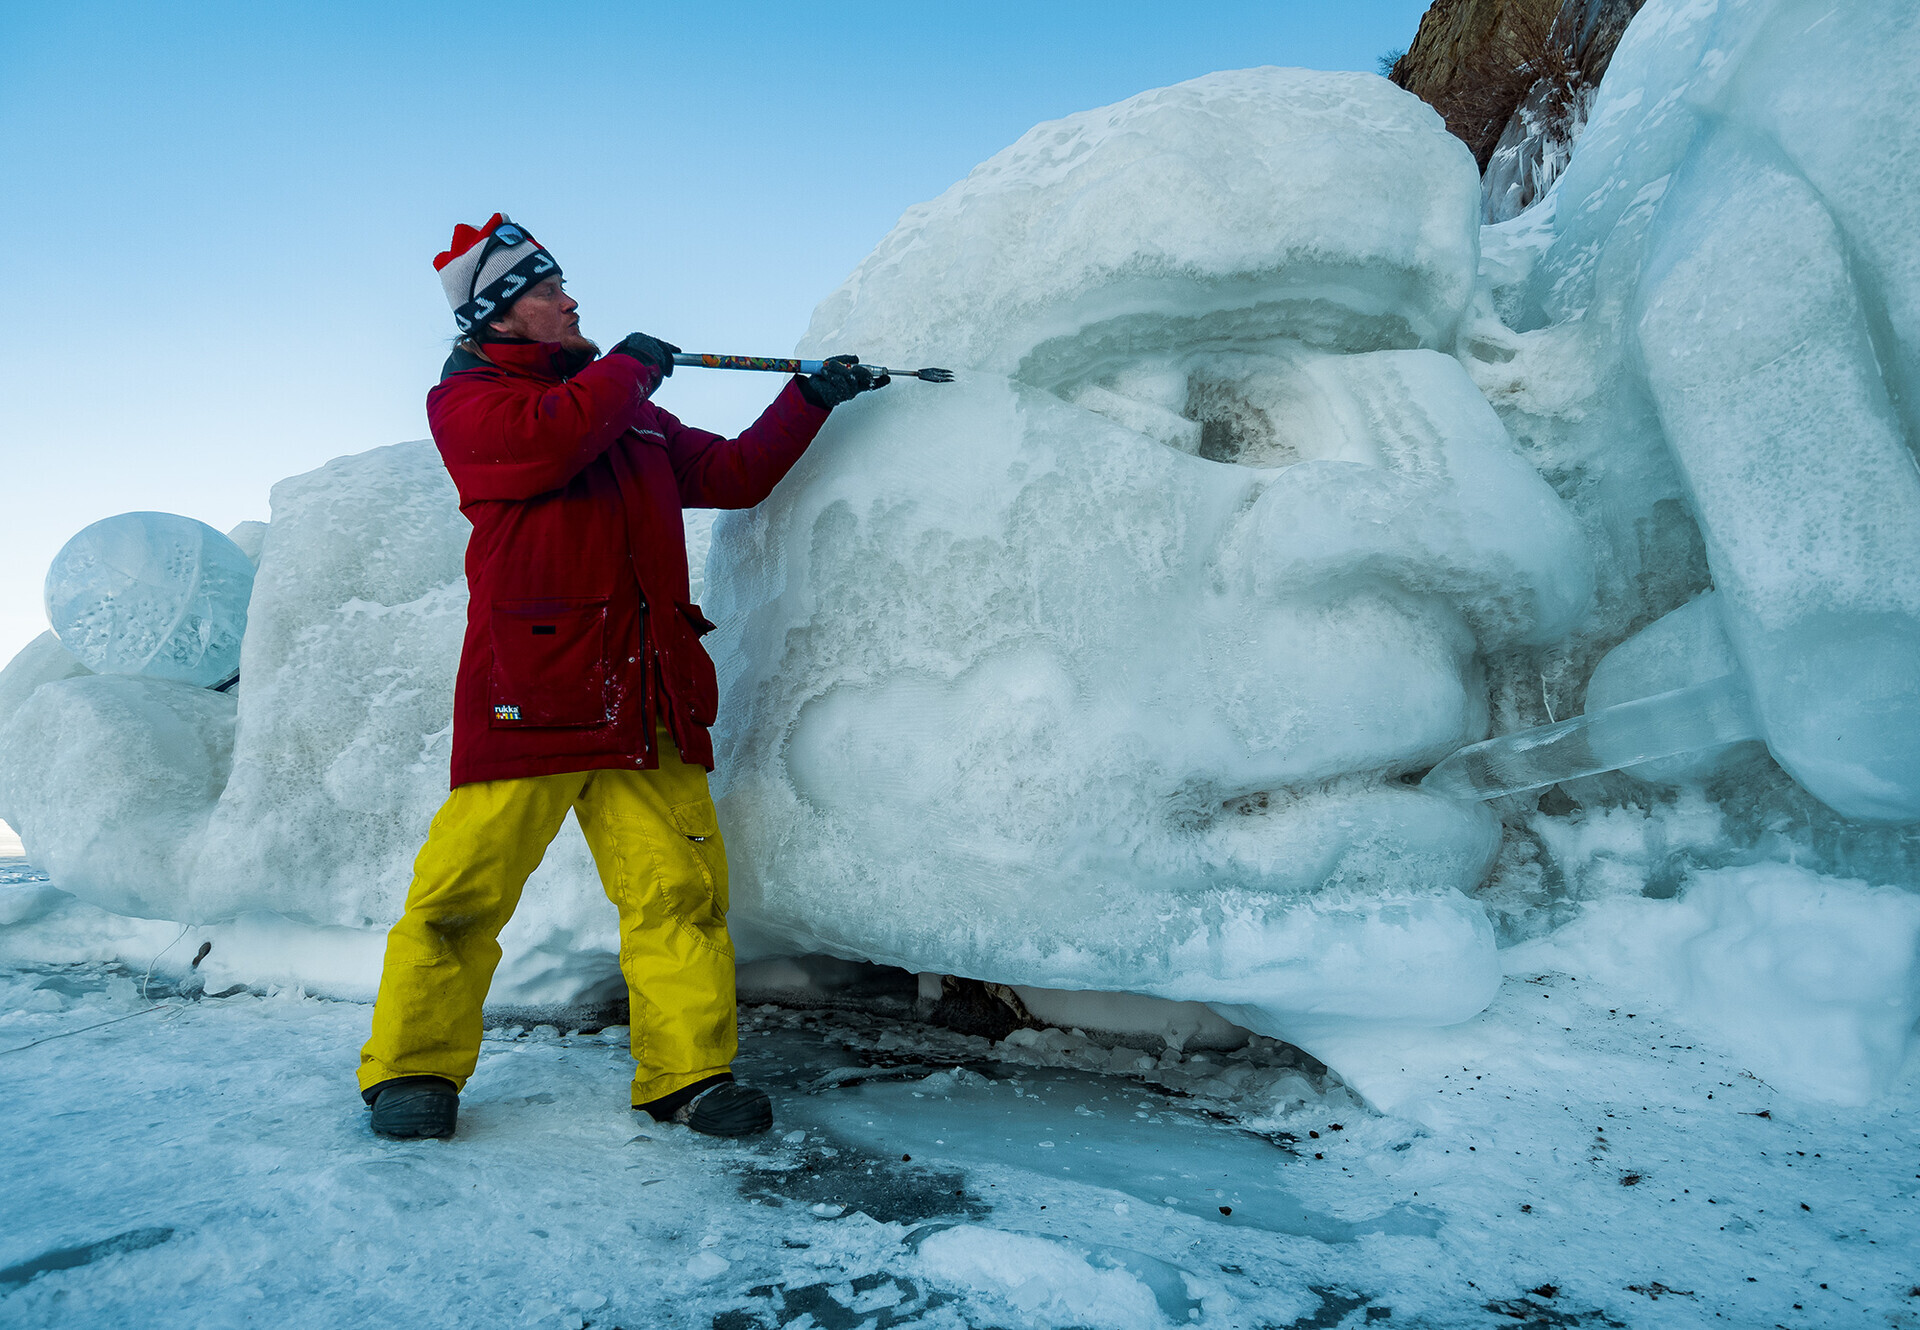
1450	510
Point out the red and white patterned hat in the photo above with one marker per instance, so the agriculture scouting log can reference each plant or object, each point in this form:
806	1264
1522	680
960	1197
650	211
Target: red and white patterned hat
485	271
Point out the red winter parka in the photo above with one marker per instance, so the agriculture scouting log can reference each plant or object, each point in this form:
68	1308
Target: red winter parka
579	627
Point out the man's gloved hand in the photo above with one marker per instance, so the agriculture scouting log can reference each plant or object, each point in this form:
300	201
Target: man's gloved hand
648	351
841	378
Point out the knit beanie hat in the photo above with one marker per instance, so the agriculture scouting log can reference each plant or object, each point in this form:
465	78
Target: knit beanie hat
485	271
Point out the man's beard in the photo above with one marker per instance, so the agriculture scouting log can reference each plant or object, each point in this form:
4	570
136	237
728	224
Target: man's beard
576	353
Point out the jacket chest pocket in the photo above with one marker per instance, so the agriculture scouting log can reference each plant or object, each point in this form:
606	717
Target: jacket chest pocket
549	662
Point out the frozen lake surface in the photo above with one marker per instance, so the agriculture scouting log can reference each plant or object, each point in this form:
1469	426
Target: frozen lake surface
1561	1160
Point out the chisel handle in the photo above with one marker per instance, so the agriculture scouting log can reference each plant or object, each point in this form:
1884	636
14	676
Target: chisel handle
773	365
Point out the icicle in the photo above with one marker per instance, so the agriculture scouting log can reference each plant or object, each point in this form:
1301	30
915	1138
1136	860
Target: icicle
1685	720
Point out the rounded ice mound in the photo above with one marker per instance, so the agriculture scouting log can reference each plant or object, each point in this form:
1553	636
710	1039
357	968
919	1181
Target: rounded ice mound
152	594
1195	213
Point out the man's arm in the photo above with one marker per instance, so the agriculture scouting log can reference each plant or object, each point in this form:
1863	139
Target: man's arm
716	472
503	441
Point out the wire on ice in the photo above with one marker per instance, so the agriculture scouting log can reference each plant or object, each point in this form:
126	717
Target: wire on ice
168	1006
156	959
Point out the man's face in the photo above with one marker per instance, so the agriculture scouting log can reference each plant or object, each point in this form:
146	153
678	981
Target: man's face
546	313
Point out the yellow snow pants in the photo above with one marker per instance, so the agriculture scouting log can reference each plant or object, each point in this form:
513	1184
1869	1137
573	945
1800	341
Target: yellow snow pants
657	845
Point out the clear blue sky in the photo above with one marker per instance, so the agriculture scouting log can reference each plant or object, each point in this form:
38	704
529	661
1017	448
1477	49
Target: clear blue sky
221	216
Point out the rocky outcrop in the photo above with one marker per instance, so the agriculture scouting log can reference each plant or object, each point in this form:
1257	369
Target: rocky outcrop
1461	63
1513	80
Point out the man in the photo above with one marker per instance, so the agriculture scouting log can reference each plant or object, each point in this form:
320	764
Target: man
582	686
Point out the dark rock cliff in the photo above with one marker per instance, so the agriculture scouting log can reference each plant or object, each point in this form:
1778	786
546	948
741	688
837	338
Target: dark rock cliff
1513	79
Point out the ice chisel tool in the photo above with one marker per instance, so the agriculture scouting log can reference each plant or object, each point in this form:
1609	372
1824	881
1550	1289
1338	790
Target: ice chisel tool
801	366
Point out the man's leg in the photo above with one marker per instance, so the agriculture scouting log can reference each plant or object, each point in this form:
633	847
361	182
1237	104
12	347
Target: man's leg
657	844
483	844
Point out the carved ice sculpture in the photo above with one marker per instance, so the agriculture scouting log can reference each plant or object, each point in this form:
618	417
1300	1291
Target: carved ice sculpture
1108	665
1098	668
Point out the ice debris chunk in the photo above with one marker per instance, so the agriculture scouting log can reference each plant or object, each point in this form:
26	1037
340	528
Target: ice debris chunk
110	781
153	594
1682	648
1048	1281
43	660
1669	705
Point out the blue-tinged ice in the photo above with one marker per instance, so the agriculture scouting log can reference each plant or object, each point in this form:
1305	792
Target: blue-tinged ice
1704	716
152	594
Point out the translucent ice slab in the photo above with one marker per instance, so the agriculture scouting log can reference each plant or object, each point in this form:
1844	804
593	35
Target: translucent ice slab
1706	715
153	594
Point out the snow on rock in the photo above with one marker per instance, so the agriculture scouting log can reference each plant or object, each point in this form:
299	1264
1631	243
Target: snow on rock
1535	146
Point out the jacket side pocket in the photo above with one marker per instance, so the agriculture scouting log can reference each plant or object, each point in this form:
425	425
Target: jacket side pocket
549	663
703	686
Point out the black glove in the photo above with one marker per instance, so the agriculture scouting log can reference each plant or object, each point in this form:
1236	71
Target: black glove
841	378
648	351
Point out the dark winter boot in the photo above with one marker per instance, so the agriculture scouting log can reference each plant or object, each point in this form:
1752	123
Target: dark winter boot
413	1106
717	1107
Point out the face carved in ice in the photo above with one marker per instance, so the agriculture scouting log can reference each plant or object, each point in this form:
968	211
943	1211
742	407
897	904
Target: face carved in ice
1099	667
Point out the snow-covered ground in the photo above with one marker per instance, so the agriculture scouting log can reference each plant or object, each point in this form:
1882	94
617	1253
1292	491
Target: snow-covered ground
1564	1159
